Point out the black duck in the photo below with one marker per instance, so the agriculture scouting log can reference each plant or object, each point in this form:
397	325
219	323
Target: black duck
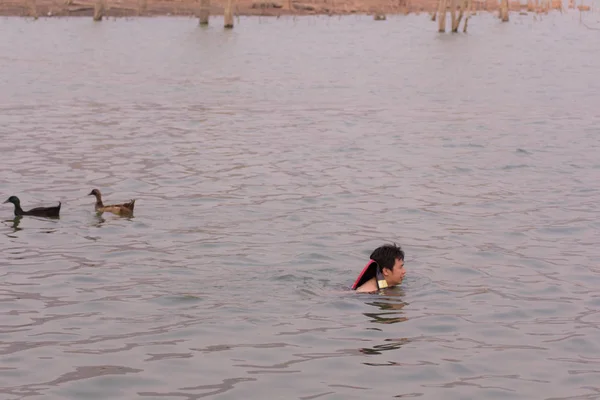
37	212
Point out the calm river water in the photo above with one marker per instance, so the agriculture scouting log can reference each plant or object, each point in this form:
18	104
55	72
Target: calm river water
267	163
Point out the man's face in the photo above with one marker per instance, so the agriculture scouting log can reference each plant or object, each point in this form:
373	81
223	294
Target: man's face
395	276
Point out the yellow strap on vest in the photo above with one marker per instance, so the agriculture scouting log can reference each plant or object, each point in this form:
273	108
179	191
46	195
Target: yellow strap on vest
381	282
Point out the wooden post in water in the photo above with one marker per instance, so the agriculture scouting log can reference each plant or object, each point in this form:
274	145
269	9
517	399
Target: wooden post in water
142	5
442	16
99	8
462	6
228	15
204	11
452	15
504	10
469	5
33	9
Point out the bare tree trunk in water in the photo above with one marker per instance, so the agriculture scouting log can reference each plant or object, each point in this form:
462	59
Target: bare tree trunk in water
504	10
463	5
442	16
469	5
229	14
204	12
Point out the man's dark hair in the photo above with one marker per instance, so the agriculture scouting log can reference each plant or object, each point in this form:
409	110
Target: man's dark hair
386	255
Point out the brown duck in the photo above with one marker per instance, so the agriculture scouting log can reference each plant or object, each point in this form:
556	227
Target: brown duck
37	212
119	209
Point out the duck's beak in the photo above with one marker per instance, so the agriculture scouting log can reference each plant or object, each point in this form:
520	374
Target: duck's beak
7	201
91	193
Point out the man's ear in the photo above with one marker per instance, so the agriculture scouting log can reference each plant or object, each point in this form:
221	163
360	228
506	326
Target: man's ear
385	271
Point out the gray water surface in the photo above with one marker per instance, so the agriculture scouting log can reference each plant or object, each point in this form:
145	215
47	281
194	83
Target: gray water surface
267	163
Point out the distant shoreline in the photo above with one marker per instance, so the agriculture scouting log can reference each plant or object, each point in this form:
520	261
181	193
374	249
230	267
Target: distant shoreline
190	8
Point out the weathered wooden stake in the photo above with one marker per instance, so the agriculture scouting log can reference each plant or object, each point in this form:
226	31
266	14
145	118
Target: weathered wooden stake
462	6
99	9
469	5
228	15
142	4
204	11
33	9
442	16
504	10
452	14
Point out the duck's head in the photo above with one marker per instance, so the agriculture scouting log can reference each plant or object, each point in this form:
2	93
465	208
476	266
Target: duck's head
14	200
94	192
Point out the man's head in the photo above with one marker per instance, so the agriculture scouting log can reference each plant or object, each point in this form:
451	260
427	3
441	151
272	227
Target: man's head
390	259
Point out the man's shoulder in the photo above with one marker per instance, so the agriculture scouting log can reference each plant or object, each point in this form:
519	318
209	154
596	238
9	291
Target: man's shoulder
368	286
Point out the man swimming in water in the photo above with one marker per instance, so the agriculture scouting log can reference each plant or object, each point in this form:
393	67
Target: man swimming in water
384	269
